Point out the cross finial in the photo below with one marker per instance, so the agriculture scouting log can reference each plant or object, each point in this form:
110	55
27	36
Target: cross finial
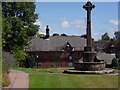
89	6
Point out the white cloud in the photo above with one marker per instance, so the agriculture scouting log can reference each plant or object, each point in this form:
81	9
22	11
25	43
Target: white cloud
42	27
114	27
96	35
112	31
38	23
79	24
114	22
65	24
42	30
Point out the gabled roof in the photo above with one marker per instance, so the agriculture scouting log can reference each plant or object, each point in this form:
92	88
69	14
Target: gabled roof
56	43
67	47
106	57
100	44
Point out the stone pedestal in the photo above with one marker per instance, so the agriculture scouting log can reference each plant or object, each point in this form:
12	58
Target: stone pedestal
89	56
87	48
89	66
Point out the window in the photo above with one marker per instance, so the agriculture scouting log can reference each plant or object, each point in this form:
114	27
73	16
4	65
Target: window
70	57
70	64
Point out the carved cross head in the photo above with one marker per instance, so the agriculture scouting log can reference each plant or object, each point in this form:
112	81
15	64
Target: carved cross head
89	6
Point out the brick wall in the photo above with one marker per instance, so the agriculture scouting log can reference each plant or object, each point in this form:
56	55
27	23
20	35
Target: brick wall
49	59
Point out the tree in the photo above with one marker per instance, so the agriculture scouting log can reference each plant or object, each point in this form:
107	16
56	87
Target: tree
105	37
55	34
41	35
18	25
63	34
113	39
117	35
84	36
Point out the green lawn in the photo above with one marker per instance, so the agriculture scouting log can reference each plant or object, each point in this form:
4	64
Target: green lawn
39	70
72	81
67	80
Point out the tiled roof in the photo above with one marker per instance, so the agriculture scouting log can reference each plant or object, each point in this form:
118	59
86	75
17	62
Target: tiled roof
106	57
56	43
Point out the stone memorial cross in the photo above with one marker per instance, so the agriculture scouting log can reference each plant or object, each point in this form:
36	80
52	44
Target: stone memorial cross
89	6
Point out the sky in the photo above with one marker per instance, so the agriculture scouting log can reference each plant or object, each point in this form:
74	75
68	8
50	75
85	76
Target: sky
70	18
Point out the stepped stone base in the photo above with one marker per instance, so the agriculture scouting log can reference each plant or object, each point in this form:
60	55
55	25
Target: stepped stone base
105	71
89	66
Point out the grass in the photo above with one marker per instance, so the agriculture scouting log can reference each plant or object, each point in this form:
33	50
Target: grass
67	80
72	81
39	70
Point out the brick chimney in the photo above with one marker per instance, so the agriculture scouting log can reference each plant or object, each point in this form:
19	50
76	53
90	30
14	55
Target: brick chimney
47	32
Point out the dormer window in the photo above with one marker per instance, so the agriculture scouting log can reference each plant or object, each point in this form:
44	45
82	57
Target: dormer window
67	47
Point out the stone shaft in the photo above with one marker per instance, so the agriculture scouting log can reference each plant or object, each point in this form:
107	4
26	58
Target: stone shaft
89	40
88	6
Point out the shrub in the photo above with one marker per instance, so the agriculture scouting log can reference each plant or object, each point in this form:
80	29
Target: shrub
108	65
115	67
30	62
40	64
118	55
5	79
52	65
115	62
5	67
8	61
20	55
8	58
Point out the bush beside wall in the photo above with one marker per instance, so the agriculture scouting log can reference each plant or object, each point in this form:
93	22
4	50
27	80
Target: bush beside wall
8	61
30	62
116	63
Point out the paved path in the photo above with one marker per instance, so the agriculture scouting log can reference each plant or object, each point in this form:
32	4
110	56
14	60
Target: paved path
18	79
